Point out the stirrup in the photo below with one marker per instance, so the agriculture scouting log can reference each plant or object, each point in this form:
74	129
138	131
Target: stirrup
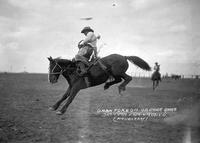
102	65
87	81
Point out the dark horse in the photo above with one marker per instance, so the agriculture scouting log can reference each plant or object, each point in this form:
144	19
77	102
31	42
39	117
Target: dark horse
116	67
174	76
156	78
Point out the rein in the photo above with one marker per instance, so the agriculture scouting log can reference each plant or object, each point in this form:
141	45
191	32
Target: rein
62	70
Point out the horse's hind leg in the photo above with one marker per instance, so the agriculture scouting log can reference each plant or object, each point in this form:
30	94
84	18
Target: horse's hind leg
153	85
116	80
157	83
127	79
55	106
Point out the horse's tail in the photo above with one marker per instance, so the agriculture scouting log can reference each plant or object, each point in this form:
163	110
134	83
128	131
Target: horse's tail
139	62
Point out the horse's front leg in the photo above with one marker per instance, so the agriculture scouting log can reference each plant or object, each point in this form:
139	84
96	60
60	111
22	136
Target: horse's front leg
57	104
73	93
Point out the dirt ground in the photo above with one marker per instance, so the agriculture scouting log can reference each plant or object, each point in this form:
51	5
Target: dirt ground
25	118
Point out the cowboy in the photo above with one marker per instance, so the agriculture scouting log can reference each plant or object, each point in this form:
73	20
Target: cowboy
156	70
86	48
156	67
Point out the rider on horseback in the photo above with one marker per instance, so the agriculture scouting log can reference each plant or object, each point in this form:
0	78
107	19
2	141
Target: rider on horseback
86	48
156	67
156	73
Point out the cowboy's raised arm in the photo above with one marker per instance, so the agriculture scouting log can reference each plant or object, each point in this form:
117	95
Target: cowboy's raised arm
95	52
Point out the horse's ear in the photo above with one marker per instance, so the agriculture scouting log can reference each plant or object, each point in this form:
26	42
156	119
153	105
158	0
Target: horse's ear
49	58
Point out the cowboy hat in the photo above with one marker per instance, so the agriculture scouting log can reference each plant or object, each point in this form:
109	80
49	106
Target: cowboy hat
87	28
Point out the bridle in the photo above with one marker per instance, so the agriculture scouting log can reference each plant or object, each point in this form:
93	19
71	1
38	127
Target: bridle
61	72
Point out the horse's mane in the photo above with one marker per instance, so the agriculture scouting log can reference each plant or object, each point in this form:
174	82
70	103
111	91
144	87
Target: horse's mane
62	61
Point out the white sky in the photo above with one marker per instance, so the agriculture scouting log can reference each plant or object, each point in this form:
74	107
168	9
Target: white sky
166	31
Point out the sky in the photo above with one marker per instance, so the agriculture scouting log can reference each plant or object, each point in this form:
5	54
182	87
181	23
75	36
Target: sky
163	31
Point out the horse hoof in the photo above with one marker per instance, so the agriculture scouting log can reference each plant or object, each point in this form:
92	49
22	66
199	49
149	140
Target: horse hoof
120	94
121	88
59	113
51	109
106	87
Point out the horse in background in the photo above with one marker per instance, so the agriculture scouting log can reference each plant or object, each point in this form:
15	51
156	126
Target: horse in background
175	77
116	65
156	78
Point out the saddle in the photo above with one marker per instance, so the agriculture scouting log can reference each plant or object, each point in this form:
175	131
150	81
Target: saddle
90	64
96	61
87	59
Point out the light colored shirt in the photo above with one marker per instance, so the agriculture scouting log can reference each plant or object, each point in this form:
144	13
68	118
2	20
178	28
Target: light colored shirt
90	39
157	67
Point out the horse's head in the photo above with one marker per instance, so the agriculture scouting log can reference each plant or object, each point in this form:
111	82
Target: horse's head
59	66
54	70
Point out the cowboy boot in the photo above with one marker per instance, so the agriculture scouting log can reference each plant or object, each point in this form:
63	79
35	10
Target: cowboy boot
87	81
82	68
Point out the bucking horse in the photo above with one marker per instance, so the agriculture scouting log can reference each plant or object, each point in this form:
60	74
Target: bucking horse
116	66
